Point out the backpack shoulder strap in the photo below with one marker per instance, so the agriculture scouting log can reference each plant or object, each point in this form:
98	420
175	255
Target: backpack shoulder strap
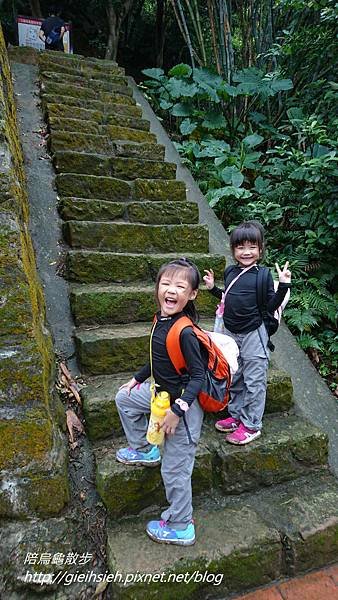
262	289
173	343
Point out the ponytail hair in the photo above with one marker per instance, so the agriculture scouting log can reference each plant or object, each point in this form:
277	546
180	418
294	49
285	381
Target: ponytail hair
193	277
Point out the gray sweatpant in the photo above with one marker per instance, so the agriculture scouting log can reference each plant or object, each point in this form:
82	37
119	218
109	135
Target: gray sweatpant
178	454
248	388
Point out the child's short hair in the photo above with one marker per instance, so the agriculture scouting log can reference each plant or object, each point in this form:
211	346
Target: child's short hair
248	231
193	277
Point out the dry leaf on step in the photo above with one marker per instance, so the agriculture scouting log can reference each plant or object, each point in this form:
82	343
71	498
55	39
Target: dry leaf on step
100	588
73	422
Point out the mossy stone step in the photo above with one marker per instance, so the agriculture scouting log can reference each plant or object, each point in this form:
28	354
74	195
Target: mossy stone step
104	304
289	447
74	125
139	150
51	61
118	132
102	144
86	93
68	106
135	212
73	119
79	141
136	237
139	168
241	545
125	168
111	189
86	266
102	419
90	186
112	83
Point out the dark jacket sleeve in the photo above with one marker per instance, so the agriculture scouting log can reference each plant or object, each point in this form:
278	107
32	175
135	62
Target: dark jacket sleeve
143	373
275	299
195	366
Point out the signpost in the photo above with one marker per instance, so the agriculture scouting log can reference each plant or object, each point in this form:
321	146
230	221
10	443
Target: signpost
28	33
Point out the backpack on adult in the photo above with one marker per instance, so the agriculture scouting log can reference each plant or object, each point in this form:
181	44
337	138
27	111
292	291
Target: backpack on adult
54	36
271	321
214	395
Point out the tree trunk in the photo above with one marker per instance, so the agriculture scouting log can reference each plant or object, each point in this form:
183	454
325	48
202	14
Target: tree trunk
35	8
115	21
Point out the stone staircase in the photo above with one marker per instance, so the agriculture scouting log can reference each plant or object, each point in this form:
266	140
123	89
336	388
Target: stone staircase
262	511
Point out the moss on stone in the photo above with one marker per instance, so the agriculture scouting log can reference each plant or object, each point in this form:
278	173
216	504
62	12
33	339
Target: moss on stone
90	266
113	84
63	111
77	162
115	132
162	212
158	190
134	168
91	186
279	395
75	125
133	237
90	210
25	439
125	121
141	150
66	140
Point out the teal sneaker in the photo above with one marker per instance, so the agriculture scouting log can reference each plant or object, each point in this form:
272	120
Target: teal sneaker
129	456
159	531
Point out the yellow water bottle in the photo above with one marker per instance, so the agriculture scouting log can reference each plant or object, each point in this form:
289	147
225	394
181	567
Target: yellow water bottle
160	403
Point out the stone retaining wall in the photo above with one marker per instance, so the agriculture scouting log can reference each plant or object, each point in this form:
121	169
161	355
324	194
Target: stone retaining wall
33	462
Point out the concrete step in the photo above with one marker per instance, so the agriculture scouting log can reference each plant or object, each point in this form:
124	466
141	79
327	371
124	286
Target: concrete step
79	209
101	415
78	108
240	544
107	304
64	89
111	83
87	266
127	237
126	168
111	189
288	448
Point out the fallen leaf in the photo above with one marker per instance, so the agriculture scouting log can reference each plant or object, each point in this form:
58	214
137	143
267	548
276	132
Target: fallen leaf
73	422
65	371
75	391
100	588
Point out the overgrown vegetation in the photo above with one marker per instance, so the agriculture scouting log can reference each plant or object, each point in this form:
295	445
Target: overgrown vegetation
263	145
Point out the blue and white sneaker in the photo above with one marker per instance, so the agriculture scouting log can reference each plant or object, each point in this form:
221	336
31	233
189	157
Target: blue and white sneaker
129	456
160	532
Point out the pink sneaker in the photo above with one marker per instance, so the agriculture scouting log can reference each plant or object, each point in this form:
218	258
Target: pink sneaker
228	425
242	435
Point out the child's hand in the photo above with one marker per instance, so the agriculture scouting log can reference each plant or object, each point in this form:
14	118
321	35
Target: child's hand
170	422
284	276
209	279
129	385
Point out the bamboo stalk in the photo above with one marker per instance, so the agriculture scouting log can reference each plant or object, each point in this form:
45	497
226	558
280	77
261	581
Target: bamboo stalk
213	36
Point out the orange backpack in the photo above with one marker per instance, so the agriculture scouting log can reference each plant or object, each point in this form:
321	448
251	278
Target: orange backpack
214	395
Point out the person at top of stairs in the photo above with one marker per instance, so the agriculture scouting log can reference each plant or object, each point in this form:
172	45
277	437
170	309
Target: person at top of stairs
244	322
176	289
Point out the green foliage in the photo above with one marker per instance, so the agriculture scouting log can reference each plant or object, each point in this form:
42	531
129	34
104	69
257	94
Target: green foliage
259	151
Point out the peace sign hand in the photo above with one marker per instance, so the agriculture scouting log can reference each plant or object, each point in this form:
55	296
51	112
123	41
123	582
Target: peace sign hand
284	276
